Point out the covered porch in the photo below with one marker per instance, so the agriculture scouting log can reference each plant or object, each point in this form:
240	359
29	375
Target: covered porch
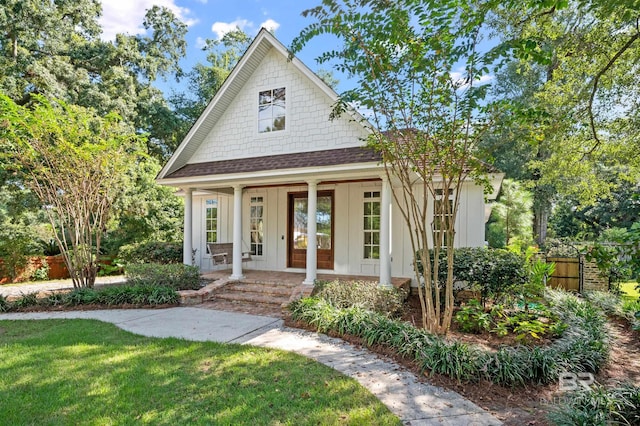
312	216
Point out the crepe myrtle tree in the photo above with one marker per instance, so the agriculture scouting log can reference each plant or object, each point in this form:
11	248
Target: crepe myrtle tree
76	163
418	72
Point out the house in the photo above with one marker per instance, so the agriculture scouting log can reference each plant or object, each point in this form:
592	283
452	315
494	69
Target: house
264	168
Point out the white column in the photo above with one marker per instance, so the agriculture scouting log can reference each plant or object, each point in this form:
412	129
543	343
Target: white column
188	227
312	229
236	273
385	233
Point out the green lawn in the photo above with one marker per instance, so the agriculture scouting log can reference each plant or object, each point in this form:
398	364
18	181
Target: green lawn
88	372
629	288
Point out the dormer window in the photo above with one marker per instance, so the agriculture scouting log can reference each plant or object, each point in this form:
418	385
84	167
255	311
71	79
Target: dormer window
271	110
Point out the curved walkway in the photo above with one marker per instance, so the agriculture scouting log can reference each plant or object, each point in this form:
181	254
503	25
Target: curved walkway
413	402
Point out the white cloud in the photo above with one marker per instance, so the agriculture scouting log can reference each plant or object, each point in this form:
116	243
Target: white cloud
270	25
460	77
126	16
221	28
200	42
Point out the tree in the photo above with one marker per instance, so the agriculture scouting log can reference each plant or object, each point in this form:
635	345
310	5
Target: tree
53	48
406	57
145	211
74	161
206	79
511	217
586	119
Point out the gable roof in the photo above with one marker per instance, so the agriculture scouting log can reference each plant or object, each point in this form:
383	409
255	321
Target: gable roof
250	61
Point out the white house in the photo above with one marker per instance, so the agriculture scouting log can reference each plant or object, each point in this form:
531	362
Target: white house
265	169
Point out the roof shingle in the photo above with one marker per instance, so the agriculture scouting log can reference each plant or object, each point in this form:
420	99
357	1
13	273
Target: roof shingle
330	157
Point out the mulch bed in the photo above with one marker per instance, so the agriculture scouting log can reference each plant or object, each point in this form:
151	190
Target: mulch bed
528	405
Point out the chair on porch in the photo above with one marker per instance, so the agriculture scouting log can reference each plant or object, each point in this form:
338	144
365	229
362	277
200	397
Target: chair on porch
222	254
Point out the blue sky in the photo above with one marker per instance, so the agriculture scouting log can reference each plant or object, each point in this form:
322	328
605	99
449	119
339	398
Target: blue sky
211	19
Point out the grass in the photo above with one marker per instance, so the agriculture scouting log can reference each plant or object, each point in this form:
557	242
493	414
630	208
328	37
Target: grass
88	372
629	290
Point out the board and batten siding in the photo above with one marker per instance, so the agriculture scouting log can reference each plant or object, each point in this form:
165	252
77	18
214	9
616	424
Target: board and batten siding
307	125
348	228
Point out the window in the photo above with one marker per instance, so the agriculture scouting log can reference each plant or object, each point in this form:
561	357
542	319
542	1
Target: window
271	110
442	217
211	221
256	222
372	225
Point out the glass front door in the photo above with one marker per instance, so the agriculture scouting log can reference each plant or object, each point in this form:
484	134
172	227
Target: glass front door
298	219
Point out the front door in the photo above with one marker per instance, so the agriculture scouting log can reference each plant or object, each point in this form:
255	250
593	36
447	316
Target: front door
297	238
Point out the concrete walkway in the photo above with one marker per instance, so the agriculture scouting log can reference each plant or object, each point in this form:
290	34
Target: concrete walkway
413	402
7	290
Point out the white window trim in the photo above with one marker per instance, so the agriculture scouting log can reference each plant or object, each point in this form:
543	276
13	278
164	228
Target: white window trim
287	114
264	222
368	260
204	224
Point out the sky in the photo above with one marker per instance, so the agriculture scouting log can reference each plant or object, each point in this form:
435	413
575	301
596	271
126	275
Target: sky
212	19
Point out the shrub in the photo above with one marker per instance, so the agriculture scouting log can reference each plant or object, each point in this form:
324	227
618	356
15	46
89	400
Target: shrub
25	301
599	406
472	318
582	347
365	294
42	273
494	272
152	252
177	276
5	306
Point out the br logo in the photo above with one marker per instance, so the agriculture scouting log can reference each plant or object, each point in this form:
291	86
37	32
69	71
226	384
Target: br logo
572	381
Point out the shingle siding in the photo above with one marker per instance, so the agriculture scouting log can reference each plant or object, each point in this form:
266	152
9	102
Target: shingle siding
307	119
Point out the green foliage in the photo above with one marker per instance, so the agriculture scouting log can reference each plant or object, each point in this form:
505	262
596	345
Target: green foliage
5	306
472	318
145	211
619	257
139	295
56	49
582	347
511	216
152	252
599	406
364	294
42	273
75	162
497	273
25	301
176	276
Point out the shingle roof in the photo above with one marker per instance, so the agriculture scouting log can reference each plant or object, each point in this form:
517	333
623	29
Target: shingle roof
331	157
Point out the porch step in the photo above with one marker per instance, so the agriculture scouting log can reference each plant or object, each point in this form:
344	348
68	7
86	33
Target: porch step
258	293
274	290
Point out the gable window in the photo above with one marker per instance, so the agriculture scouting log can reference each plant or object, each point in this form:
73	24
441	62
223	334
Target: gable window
211	222
271	110
442	218
256	222
372	225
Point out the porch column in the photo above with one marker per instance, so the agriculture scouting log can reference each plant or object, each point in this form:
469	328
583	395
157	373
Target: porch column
385	233
237	233
312	229
188	227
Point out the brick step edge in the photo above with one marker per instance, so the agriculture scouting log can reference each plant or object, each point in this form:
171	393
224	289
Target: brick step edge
259	288
250	298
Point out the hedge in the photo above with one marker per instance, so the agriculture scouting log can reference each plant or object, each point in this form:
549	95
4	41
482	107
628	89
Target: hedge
177	276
